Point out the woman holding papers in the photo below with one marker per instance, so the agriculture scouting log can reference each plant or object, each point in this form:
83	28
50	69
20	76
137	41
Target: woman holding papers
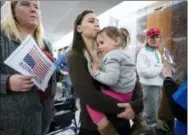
23	109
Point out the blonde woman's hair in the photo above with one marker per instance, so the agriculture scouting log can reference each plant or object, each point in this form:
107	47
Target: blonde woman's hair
11	26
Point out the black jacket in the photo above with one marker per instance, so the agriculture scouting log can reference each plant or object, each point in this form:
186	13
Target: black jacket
170	88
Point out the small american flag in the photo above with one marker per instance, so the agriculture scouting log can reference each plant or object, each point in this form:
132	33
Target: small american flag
33	60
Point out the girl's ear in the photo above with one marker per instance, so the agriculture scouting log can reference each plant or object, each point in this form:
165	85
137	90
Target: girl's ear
117	40
79	28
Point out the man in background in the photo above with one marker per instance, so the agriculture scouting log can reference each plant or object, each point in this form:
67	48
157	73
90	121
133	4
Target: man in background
149	68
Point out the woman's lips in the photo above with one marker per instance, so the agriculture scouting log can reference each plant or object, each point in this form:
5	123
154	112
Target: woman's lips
33	16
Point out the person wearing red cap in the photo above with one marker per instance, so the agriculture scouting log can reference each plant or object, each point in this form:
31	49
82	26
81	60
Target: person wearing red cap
149	68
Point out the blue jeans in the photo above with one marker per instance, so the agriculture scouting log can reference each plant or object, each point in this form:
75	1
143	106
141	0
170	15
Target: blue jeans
67	85
152	99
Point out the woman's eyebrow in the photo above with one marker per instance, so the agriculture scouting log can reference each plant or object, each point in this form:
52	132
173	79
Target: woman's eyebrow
21	2
92	18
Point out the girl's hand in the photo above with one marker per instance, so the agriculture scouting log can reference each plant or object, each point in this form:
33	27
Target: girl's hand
95	67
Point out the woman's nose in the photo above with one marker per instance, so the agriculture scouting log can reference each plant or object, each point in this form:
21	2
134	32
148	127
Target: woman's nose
33	8
97	25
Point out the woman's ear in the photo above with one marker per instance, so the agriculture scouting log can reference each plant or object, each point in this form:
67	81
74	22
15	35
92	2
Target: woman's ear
79	29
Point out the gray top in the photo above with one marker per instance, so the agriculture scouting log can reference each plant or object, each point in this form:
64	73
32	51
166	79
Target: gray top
17	109
118	71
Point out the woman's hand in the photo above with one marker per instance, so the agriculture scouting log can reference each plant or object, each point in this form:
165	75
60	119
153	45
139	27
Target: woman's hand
19	82
128	113
167	69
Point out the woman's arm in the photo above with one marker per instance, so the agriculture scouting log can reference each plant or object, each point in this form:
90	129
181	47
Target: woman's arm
137	99
135	106
170	88
83	84
11	82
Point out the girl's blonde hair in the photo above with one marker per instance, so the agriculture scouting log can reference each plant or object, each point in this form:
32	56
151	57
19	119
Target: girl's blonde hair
11	26
113	32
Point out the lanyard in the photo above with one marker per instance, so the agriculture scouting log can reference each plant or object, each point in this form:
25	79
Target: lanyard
155	51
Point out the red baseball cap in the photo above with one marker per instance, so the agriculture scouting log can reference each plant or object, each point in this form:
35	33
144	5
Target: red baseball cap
153	31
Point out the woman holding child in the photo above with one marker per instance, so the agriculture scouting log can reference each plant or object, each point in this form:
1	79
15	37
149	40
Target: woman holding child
84	53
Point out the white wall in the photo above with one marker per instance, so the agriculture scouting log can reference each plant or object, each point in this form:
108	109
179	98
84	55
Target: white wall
124	13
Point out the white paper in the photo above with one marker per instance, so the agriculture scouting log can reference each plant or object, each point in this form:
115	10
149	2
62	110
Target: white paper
28	59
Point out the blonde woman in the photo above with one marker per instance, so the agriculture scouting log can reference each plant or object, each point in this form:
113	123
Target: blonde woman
23	109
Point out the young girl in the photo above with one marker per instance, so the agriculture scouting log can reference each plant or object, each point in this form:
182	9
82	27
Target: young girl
117	71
